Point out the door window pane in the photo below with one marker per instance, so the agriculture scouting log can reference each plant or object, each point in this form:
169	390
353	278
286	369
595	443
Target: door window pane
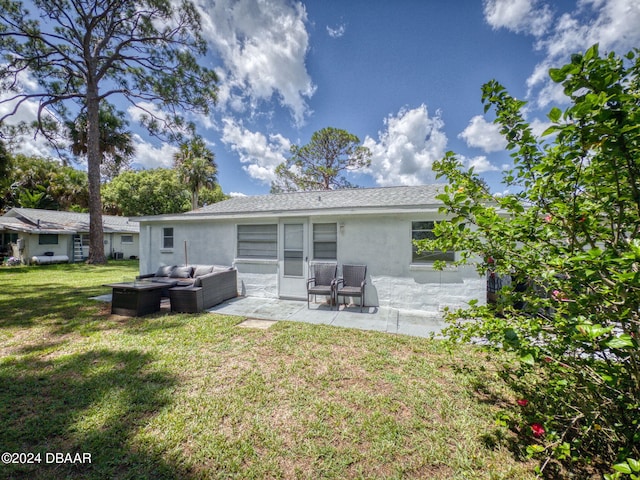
293	250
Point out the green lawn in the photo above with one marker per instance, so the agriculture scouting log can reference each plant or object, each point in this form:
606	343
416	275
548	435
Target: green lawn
195	396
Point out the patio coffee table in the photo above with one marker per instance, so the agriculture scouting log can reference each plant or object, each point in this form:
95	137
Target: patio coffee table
135	299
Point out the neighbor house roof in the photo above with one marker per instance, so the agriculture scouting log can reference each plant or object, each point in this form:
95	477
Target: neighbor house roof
52	221
356	200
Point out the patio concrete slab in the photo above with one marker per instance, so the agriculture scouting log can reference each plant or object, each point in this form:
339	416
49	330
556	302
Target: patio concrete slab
420	324
371	318
381	319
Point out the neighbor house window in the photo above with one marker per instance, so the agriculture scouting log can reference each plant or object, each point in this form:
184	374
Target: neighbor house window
325	241
8	238
422	231
84	238
48	239
167	237
126	239
258	241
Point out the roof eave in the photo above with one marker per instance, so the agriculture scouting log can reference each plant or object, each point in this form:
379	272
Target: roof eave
328	212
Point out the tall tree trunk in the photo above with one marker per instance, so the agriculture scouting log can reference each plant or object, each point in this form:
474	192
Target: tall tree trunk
194	199
94	159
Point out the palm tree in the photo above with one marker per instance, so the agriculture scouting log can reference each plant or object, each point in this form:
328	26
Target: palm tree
196	167
116	145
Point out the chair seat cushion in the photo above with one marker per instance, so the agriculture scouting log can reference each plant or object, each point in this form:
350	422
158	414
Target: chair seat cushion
353	291
319	290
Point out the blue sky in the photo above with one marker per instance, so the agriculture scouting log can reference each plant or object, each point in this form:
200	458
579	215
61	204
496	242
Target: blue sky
403	75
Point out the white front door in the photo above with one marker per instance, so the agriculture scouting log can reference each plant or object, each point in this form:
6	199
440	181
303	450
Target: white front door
293	259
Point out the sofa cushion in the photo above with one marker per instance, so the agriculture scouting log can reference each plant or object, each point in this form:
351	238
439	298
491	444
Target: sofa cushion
165	271
202	270
181	272
197	282
221	268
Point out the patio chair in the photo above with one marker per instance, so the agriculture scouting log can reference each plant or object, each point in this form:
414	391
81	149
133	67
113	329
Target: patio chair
322	282
352	283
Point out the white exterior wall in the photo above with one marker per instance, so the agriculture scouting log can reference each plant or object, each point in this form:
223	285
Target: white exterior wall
382	242
113	244
33	248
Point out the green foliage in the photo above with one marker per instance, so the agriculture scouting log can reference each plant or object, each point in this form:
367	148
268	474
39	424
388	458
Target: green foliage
319	164
144	52
630	467
207	196
196	168
34	182
116	144
145	192
569	237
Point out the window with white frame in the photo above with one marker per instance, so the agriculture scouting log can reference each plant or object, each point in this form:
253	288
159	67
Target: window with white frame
422	231
167	237
258	241
325	241
126	239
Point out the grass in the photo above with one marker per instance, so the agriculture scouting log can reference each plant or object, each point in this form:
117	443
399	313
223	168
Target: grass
194	396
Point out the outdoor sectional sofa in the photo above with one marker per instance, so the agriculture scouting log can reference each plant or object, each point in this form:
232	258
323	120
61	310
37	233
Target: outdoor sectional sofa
194	288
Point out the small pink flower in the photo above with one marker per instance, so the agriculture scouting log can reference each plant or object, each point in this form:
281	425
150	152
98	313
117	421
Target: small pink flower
537	429
523	402
548	218
559	296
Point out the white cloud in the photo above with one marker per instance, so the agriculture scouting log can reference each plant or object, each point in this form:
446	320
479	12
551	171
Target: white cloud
520	16
152	156
405	151
142	109
482	134
613	24
337	32
539	126
480	164
27	113
263	46
261	155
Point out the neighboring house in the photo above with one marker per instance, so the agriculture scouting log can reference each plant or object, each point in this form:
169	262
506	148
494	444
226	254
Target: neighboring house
274	241
33	234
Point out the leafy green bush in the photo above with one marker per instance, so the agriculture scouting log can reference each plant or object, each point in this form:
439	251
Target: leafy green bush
569	240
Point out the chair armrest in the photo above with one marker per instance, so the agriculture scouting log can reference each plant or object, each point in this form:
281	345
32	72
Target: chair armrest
310	281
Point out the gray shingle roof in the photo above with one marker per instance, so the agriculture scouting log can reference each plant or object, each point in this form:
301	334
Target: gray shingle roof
356	199
70	222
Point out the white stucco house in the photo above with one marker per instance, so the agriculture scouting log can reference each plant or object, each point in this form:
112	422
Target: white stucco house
48	236
274	241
